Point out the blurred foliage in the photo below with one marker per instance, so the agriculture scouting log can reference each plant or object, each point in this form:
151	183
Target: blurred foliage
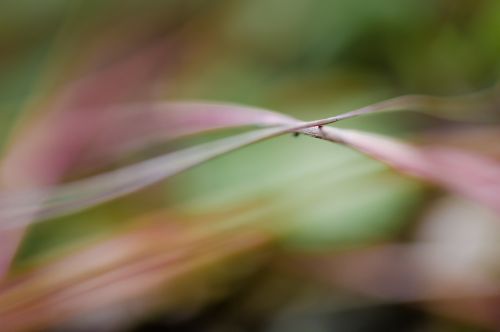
309	58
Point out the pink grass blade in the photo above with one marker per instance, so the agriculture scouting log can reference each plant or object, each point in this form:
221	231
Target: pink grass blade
465	172
403	157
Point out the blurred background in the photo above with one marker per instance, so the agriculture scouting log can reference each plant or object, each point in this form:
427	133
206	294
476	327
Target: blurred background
291	234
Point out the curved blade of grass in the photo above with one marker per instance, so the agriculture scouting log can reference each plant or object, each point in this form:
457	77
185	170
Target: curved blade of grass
86	193
17	208
129	128
126	129
479	107
73	197
465	172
